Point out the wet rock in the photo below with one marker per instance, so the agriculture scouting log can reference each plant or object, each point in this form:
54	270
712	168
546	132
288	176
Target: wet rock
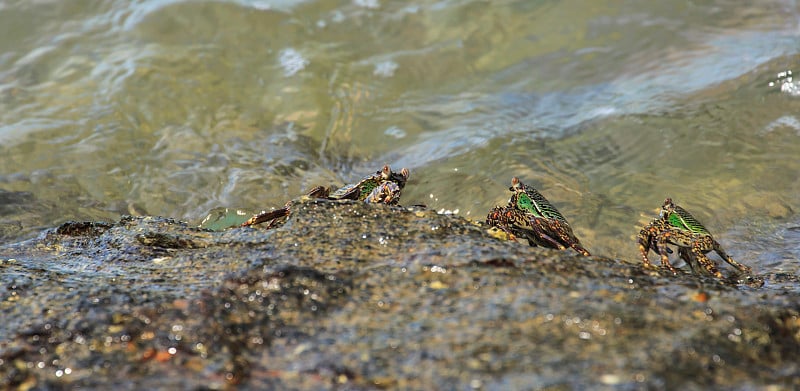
82	228
347	295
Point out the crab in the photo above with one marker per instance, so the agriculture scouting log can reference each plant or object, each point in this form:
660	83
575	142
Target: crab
529	215
678	227
382	187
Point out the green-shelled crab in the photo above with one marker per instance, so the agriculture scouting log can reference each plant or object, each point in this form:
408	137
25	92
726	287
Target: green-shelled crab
529	215
382	187
678	227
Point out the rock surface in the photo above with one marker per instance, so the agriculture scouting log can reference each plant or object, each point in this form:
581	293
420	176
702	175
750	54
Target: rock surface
354	296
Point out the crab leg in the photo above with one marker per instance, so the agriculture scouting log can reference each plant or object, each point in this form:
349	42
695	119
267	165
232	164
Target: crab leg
661	249
580	249
270	216
537	227
727	258
274	215
687	256
645	240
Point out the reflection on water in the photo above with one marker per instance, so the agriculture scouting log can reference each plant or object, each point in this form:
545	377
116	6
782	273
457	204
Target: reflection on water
176	108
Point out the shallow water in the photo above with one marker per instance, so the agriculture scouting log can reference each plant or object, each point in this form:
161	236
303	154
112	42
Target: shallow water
175	108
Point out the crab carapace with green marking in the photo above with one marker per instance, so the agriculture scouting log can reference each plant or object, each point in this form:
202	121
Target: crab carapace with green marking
529	215
678	227
384	186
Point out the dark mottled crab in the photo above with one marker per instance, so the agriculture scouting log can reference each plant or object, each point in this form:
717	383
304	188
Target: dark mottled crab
529	215
382	187
678	227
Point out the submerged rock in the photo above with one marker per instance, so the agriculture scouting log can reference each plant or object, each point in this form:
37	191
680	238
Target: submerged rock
355	296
